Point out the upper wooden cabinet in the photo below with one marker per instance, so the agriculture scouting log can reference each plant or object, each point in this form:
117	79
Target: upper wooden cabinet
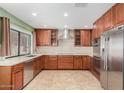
108	20
98	28
118	13
43	37
46	37
77	34
112	18
83	37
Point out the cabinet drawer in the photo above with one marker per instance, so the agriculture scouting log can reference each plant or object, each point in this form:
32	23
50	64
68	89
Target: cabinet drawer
65	65
52	57
18	66
65	59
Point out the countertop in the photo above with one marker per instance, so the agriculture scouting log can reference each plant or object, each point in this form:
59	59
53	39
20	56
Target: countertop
16	60
20	59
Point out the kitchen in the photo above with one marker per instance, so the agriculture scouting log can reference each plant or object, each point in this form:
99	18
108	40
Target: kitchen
43	48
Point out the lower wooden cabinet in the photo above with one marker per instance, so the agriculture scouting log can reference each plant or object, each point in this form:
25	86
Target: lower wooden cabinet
37	66
17	79
51	62
78	62
11	77
17	76
65	62
86	63
42	62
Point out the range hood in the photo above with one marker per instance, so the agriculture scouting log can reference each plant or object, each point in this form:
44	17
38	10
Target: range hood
65	34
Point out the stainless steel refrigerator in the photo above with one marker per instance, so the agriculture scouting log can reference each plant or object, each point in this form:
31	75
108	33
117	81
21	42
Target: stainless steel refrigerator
112	66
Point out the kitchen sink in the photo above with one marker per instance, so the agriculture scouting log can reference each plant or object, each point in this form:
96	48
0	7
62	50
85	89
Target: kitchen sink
30	55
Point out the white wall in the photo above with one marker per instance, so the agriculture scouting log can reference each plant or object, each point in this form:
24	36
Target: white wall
65	47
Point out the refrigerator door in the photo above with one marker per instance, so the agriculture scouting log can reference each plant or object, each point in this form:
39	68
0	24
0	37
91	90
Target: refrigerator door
103	66
115	60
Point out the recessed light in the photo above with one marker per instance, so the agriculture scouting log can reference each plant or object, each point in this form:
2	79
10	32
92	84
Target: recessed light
85	26
44	26
65	14
34	14
65	26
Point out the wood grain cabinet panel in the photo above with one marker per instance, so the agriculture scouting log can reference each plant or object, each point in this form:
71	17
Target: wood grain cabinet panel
36	66
108	19
65	62
86	63
17	79
43	37
51	62
85	37
118	13
42	62
77	62
5	78
11	77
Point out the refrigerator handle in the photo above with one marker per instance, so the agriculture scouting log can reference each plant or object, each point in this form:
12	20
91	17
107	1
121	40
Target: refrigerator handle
103	59
107	54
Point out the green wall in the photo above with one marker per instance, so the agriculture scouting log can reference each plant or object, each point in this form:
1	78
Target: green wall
16	21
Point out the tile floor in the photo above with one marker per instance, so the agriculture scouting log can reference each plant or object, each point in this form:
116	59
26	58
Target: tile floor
64	80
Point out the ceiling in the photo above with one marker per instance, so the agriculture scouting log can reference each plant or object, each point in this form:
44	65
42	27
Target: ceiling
52	14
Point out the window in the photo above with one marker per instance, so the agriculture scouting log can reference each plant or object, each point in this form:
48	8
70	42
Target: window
24	44
20	43
14	42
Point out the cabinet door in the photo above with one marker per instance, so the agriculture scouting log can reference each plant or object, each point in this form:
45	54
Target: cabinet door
77	62
108	19
43	37
118	12
42	63
47	37
39	37
35	71
65	62
86	63
85	37
99	26
51	62
17	79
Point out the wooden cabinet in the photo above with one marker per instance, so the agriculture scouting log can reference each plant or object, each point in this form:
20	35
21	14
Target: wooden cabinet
108	19
11	77
65	62
42	62
77	34
77	62
85	37
112	18
51	62
54	37
98	28
36	66
86	63
17	77
43	37
46	37
118	14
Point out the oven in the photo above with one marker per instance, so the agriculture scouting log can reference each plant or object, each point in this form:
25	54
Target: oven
96	47
96	57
